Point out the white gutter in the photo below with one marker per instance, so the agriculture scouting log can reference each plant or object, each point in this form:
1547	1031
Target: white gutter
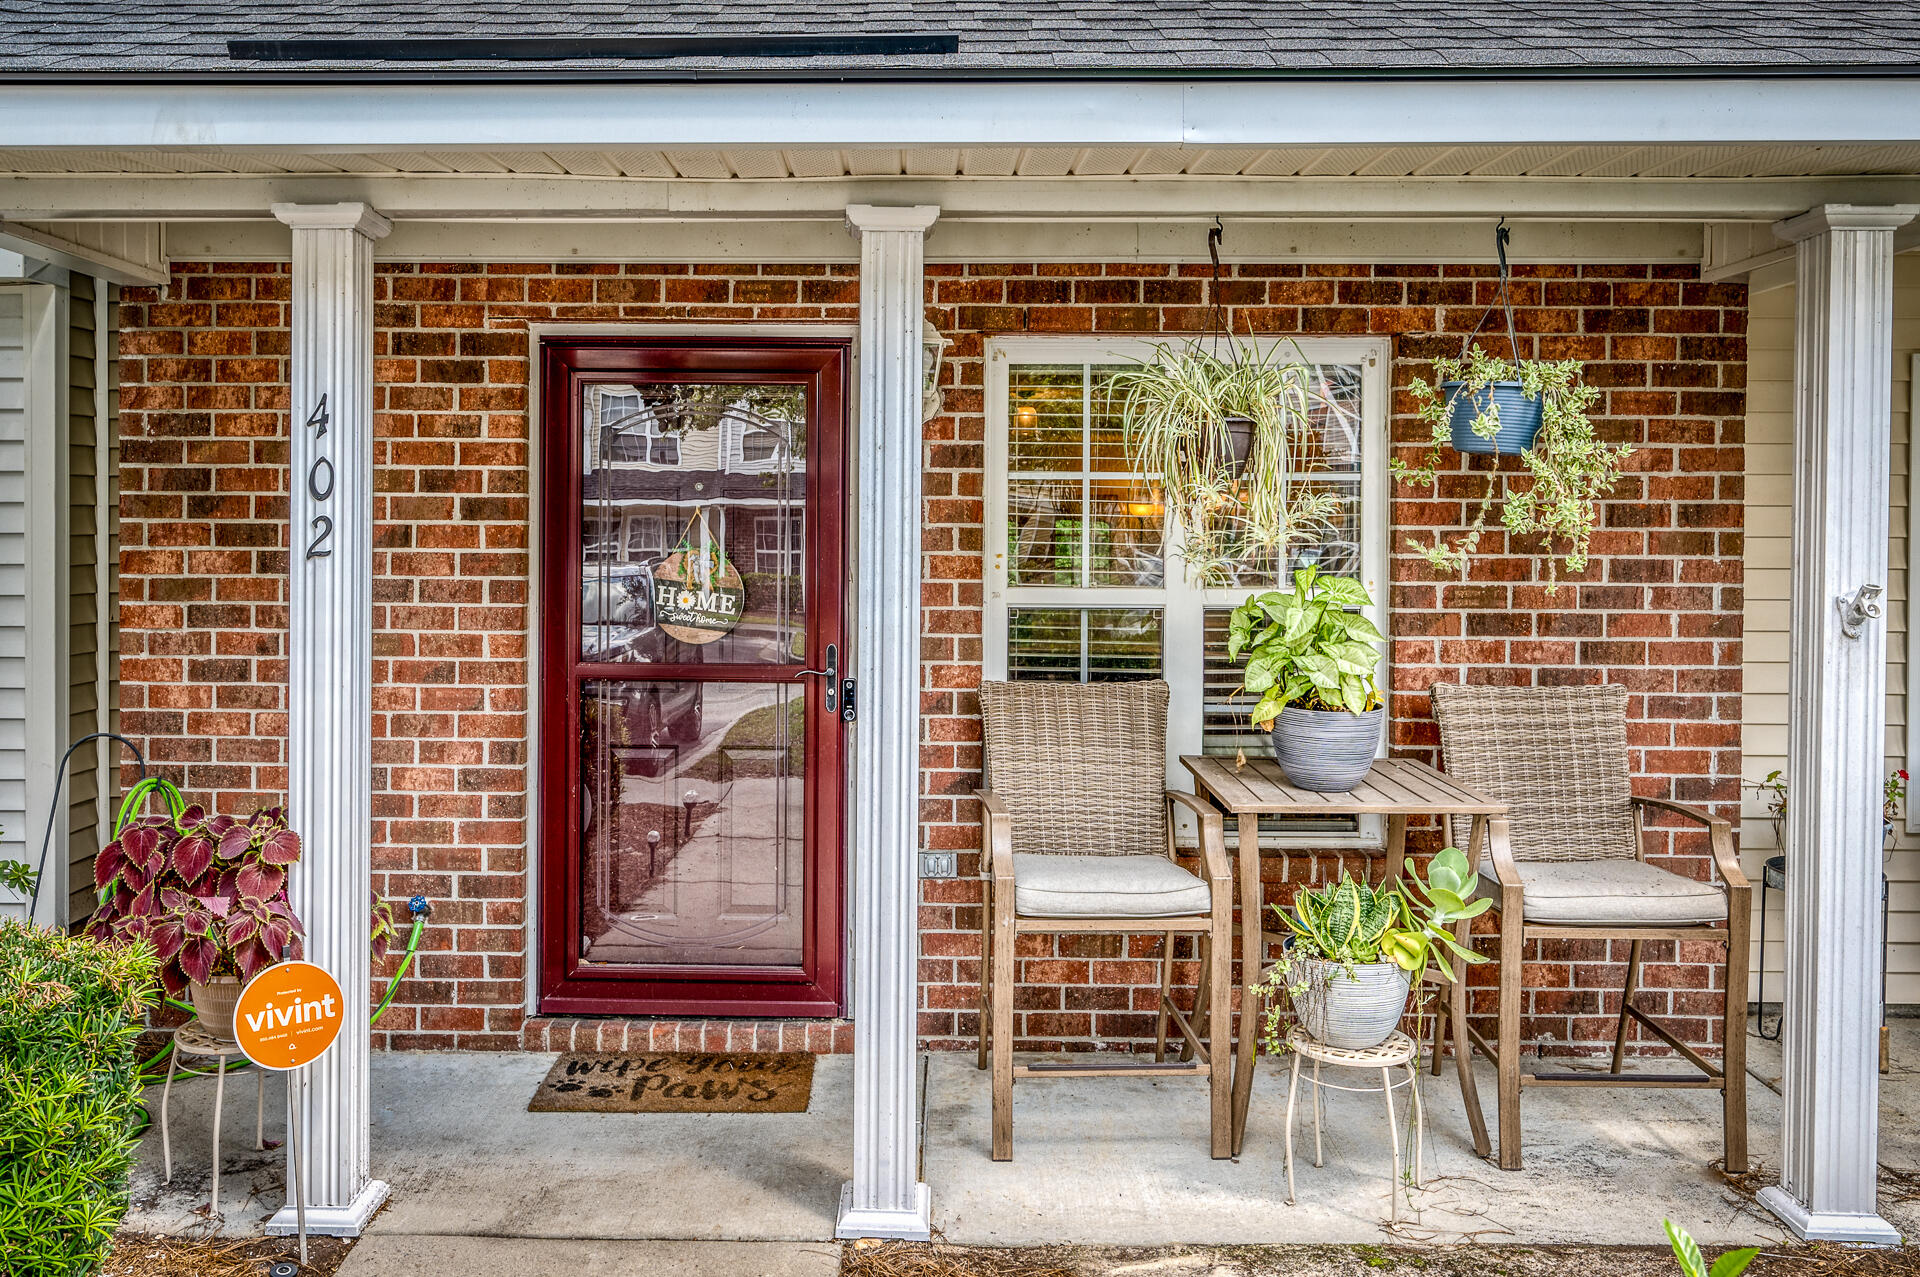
444	116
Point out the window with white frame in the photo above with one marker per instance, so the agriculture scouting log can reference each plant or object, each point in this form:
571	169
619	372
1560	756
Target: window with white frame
631	432
646	538
779	542
1084	578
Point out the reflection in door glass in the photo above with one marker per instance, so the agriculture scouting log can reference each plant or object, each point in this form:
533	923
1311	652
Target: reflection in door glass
701	484
694	820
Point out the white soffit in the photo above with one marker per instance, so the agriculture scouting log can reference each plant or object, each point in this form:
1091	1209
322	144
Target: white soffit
1761	160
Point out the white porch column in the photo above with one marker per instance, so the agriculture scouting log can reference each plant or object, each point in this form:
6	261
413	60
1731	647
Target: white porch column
1837	687
329	682
886	1198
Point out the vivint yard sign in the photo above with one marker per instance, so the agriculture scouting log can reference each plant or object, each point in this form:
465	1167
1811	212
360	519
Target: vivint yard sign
288	1016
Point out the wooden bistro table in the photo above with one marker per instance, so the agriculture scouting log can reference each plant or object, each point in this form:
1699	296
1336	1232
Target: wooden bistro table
1397	788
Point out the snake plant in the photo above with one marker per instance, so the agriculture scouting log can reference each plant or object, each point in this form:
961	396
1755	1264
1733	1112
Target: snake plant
1406	922
1347	922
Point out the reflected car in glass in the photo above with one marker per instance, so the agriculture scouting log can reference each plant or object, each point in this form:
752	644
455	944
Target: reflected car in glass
617	627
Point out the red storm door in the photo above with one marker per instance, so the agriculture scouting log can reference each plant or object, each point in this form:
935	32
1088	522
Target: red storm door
691	740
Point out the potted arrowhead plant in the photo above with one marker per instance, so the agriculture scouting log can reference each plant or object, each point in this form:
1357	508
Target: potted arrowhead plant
1311	661
207	891
1357	949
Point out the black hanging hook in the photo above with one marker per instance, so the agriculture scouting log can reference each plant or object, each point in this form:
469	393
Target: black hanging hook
1503	298
1216	319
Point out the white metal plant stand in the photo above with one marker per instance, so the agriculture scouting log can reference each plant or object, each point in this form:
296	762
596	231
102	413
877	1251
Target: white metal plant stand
1398	1051
191	1039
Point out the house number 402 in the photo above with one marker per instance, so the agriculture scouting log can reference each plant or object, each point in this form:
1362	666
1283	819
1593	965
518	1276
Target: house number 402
320	476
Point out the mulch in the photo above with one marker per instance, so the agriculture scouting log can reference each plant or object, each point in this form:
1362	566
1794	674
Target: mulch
145	1255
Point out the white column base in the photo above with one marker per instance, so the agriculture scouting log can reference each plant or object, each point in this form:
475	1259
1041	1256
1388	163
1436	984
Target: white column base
333	1221
914	1225
1827	1226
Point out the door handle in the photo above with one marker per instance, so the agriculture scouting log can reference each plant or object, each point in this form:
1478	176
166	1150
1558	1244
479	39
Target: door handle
831	673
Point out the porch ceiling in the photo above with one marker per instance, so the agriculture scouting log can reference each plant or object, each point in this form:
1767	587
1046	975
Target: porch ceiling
777	164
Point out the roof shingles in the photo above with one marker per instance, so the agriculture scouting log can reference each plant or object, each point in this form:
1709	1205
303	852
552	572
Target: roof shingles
1157	36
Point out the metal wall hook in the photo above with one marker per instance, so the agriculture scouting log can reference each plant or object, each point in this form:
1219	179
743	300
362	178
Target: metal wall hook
1857	609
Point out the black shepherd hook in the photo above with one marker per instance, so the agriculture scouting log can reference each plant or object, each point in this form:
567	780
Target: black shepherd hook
59	779
1500	237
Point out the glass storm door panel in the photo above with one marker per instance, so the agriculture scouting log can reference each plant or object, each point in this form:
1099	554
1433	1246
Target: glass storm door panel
691	736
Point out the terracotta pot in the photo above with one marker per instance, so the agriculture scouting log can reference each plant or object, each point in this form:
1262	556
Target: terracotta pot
213	1005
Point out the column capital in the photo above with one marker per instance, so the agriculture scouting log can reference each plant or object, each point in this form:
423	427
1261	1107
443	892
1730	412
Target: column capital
351	216
882	217
1844	217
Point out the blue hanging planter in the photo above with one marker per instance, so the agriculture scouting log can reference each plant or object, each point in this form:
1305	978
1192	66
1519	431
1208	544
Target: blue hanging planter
1519	418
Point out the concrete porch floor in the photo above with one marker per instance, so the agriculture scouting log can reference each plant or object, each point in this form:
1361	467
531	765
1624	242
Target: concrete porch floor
1098	1161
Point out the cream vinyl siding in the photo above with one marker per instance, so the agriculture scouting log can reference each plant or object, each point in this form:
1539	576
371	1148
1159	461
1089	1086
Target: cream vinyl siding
1769	505
86	522
59	517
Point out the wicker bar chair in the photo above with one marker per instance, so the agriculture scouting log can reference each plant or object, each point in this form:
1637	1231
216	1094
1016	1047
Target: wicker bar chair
1568	864
1076	836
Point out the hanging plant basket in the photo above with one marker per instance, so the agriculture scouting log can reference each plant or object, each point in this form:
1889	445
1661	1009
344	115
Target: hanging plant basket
1518	413
1519	418
1539	411
1233	448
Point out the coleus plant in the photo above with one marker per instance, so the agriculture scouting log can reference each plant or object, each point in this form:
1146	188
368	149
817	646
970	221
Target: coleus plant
207	891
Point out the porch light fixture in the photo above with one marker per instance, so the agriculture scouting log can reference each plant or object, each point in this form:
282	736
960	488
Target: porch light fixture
1026	417
933	353
1152	508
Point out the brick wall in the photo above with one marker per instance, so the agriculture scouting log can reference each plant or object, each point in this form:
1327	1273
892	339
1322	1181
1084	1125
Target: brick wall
204	427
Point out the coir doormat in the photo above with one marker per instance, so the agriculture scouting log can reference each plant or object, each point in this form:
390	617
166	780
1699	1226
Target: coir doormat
676	1082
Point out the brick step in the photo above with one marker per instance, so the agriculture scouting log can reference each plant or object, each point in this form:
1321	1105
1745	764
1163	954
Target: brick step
636	1033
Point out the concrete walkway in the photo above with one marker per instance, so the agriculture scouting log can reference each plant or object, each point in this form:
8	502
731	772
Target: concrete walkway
481	1186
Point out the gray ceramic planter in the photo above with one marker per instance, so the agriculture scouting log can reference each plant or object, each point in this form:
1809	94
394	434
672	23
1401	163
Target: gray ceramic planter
1327	751
1352	1007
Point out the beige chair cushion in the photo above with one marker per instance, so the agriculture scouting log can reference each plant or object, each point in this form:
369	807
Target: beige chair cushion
1105	887
1602	893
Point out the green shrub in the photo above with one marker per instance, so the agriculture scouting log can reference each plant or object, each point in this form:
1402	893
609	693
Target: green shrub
70	1009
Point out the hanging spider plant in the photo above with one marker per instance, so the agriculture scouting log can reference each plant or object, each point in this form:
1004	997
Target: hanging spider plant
1182	407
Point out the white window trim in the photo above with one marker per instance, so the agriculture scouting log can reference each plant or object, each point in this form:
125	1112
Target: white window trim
1183	601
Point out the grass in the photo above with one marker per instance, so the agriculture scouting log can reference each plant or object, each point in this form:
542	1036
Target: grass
754	730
